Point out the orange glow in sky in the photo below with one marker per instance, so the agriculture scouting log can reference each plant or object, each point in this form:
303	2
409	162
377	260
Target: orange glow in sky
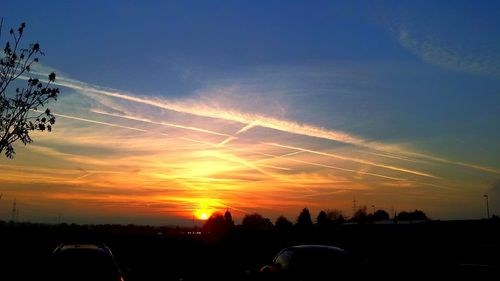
163	162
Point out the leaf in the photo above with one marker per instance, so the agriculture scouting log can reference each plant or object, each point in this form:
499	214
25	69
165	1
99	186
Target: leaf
52	77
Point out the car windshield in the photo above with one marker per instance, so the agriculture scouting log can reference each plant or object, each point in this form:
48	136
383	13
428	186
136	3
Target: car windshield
320	260
283	259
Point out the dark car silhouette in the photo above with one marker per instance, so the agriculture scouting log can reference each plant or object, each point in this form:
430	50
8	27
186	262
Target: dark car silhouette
79	262
309	262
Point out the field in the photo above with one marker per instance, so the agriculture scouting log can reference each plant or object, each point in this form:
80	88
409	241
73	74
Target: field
450	248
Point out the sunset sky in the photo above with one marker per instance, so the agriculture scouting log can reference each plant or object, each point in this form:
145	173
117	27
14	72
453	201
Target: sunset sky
171	109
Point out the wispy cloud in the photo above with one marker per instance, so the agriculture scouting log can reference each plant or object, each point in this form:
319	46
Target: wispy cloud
252	120
450	57
179	156
193	108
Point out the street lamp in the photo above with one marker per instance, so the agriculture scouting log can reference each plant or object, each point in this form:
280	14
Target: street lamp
487	206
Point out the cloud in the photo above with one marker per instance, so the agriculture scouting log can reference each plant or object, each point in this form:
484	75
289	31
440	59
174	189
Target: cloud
203	110
456	58
236	155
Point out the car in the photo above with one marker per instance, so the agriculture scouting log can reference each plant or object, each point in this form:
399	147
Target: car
309	262
80	262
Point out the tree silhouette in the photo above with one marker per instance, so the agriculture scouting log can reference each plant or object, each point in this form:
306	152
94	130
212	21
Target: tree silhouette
416	215
228	218
283	224
304	220
336	217
380	215
216	224
322	220
419	216
256	222
360	216
22	110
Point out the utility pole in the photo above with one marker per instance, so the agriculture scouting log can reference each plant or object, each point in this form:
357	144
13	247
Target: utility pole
487	207
353	207
14	211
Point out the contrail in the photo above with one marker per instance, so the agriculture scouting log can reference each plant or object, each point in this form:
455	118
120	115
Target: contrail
273	167
218	113
281	156
463	164
248	127
342	169
246	163
227	140
262	121
244	129
157	123
393	156
356	160
97	122
272	156
242	161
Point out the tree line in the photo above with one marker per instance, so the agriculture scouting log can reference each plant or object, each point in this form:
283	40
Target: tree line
219	222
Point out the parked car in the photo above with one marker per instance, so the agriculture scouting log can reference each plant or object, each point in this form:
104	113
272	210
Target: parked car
309	262
79	262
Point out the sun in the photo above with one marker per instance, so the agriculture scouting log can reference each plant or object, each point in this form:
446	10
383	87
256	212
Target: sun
203	208
202	214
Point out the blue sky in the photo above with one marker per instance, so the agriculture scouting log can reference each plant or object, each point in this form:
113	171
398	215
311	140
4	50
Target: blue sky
422	78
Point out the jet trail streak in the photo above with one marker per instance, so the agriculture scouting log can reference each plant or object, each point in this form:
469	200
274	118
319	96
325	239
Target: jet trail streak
360	161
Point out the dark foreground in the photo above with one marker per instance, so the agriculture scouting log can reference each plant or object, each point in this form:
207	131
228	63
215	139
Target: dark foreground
450	249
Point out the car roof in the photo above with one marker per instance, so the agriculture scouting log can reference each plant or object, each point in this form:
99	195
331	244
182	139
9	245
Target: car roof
324	249
315	247
86	247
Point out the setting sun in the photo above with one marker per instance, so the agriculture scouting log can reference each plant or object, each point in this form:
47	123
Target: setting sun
202	214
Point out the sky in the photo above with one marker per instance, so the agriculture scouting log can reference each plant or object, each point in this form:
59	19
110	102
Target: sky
172	109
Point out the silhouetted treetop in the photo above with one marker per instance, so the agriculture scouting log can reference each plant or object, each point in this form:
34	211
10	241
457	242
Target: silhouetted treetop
215	224
336	217
380	215
416	215
256	222
304	219
360	216
228	218
283	224
322	220
22	109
